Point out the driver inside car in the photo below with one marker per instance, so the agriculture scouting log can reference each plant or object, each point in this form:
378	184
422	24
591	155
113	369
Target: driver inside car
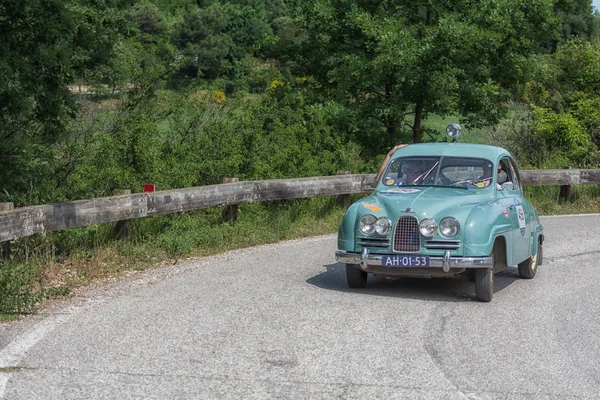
412	170
502	175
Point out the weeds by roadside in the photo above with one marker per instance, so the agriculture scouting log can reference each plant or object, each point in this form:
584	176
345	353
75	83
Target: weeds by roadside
52	265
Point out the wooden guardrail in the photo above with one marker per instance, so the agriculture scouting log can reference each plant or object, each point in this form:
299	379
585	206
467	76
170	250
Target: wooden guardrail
27	221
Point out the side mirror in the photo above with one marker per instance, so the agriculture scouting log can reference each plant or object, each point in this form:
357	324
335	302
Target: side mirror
508	186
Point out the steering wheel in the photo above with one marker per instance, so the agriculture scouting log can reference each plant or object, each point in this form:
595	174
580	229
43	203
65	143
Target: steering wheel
465	183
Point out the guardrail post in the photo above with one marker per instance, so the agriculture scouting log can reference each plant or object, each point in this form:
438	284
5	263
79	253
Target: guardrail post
5	247
565	190
122	229
230	213
343	200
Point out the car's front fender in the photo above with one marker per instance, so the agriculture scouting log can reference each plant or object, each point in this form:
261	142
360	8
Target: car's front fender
484	224
347	229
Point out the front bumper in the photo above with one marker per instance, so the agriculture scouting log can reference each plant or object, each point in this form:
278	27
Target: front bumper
372	262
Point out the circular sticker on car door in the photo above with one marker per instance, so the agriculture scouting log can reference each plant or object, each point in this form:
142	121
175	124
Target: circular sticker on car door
520	216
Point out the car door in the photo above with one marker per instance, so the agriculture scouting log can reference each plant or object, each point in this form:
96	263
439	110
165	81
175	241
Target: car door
519	212
528	211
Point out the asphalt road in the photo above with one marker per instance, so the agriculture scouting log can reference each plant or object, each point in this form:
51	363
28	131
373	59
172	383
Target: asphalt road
278	321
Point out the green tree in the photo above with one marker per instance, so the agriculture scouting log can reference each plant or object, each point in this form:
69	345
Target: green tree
578	19
393	60
44	47
564	97
148	17
147	52
202	38
247	23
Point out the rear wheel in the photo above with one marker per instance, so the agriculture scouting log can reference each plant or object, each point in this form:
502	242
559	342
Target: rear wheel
484	284
356	277
528	268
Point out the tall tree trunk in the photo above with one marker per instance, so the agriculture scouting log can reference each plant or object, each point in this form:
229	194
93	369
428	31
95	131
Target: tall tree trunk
417	130
391	121
392	127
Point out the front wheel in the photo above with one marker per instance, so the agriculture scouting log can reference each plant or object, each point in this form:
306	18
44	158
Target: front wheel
356	277
484	284
528	268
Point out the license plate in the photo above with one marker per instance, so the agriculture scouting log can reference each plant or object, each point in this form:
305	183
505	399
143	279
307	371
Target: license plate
405	261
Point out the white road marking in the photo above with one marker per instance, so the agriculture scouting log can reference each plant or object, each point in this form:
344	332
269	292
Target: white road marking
11	355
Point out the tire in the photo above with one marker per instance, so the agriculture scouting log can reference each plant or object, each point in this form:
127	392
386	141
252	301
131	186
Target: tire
356	277
484	284
528	268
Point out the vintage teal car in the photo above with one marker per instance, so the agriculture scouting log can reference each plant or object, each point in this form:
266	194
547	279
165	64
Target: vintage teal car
439	210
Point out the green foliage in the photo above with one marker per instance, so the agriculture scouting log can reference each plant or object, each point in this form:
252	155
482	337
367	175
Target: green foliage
284	137
197	137
247	23
386	60
39	58
17	286
202	38
148	17
577	18
563	128
254	76
563	138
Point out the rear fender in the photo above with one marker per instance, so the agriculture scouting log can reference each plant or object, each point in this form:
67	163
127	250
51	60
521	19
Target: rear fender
538	238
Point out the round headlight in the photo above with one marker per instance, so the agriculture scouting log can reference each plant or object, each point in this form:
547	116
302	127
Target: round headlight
367	224
453	130
383	226
428	227
449	227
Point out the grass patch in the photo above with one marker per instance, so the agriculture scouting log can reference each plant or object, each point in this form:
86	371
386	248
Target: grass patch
583	199
9	317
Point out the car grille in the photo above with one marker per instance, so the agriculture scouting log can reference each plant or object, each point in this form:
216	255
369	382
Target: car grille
442	244
374	242
406	235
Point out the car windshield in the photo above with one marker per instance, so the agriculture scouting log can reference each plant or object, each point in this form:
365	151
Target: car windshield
439	171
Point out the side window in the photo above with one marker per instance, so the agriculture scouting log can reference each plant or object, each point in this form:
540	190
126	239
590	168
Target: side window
508	173
504	173
515	176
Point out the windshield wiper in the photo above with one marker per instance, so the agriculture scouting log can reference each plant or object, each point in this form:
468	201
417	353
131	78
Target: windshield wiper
425	174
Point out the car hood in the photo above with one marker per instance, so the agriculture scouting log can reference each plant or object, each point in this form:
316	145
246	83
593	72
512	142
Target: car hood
432	202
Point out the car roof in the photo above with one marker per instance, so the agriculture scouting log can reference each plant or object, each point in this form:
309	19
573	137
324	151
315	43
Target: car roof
453	149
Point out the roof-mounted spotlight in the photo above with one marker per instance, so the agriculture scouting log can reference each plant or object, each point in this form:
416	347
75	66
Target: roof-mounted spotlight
453	130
